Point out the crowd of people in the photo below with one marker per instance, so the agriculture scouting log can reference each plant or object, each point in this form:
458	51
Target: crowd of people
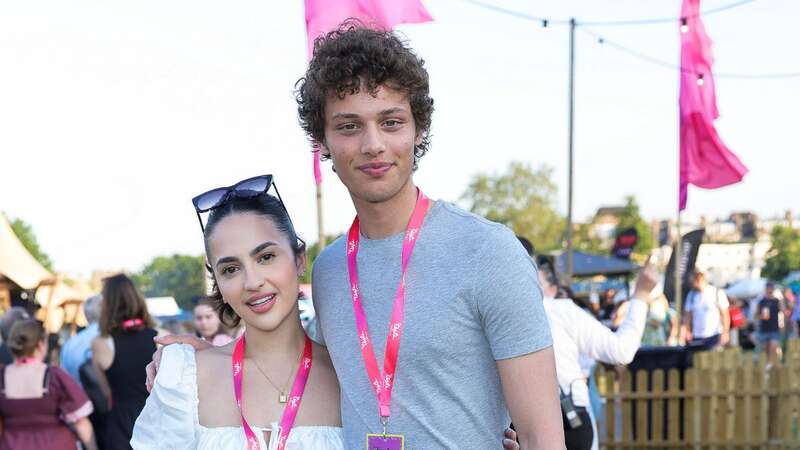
711	319
91	389
487	336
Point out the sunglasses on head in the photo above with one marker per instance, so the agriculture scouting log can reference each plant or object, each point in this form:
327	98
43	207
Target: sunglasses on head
249	188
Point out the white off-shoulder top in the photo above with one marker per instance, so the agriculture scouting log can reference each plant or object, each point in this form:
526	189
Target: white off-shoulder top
170	418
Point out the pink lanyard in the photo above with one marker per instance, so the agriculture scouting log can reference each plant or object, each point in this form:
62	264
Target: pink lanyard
382	385
290	411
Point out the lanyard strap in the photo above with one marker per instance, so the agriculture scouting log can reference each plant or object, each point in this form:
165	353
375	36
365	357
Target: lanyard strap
289	411
382	383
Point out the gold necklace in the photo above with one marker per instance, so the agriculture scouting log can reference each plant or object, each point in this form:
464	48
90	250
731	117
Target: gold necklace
282	397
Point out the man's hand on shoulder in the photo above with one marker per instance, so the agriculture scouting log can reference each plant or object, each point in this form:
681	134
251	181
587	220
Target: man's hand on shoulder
152	368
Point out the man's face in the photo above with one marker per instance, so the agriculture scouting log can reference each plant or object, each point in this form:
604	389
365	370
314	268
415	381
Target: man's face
371	142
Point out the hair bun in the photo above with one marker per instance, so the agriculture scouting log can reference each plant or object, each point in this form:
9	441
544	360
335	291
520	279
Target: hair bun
25	337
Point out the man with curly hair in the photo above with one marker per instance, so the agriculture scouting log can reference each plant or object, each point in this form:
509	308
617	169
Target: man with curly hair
475	341
476	348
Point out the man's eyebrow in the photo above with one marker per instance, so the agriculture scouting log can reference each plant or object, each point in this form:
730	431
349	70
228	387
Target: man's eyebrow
390	111
345	116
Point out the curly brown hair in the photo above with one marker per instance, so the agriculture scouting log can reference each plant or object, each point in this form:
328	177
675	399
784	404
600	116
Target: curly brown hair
353	57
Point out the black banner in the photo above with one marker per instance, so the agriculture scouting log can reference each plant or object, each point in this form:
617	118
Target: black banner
690	244
623	245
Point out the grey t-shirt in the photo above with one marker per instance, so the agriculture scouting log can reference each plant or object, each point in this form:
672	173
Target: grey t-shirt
472	298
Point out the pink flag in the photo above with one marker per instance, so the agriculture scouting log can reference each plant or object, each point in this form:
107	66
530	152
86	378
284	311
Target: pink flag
705	161
323	16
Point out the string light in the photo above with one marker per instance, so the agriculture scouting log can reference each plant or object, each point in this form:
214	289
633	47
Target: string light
684	27
700	80
668	65
604	23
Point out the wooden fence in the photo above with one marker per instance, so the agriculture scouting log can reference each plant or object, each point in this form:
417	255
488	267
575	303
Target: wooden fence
726	401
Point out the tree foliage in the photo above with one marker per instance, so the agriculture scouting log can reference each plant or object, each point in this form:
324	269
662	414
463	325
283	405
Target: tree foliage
312	252
784	256
631	217
28	239
585	241
522	198
178	276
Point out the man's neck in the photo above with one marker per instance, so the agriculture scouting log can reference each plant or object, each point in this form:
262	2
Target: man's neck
384	219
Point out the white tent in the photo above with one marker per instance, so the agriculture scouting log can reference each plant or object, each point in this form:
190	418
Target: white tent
19	267
16	264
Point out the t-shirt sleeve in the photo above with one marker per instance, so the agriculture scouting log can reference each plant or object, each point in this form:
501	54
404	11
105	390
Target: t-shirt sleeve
73	403
689	301
168	417
722	299
508	297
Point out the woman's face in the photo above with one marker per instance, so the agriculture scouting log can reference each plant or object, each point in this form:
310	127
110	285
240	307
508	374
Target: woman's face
206	321
256	269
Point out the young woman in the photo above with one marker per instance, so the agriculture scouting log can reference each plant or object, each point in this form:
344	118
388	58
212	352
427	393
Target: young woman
37	401
207	324
120	355
270	389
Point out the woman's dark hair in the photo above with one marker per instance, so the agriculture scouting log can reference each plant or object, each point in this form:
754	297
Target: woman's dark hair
262	205
122	305
25	336
353	57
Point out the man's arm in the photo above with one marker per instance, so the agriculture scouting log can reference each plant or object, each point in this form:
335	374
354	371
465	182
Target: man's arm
534	406
687	326
724	316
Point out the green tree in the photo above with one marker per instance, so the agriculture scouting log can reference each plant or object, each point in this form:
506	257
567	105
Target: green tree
784	255
178	276
585	241
26	235
523	199
312	252
631	217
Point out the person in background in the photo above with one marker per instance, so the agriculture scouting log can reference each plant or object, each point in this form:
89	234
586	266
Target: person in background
661	327
607	307
706	319
207	324
795	317
578	338
38	401
770	323
77	349
120	355
7	321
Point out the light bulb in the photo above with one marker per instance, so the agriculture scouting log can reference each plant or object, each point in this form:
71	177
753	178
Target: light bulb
700	80
684	25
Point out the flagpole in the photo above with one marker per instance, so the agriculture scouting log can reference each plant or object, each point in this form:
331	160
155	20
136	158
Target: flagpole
678	270
320	229
570	148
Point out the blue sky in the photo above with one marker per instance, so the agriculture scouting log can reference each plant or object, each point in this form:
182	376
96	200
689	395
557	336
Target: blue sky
115	113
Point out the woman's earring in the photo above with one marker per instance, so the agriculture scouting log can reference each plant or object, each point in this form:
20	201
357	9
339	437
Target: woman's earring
333	168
